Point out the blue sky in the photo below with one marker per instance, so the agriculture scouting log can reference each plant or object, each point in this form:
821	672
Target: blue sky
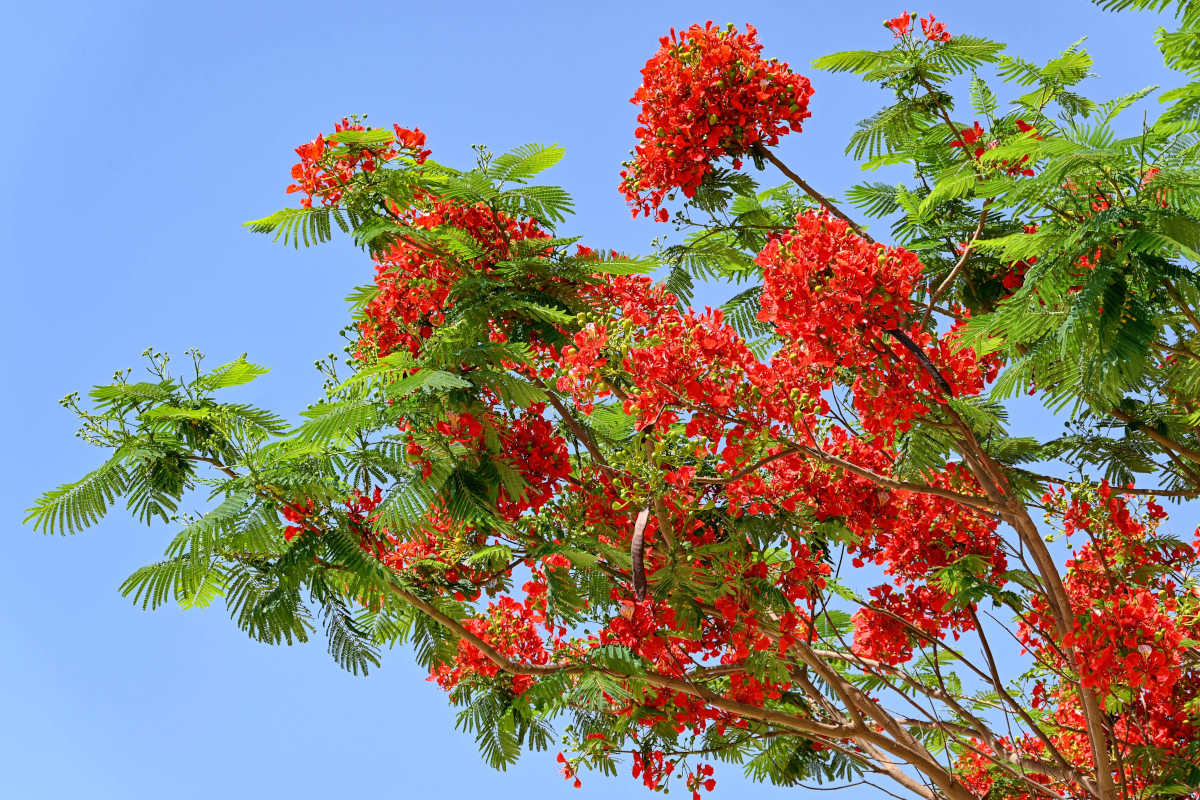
144	134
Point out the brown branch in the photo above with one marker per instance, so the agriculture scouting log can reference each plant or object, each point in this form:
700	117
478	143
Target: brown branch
1002	757
945	285
741	473
656	501
940	310
1183	306
923	358
763	151
955	133
1179	351
1061	610
1175	493
1003	693
905	486
577	429
1184	470
1165	441
862	472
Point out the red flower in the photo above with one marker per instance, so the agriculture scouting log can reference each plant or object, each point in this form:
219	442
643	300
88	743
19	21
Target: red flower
414	284
934	31
413	141
326	169
901	25
706	94
970	136
974	135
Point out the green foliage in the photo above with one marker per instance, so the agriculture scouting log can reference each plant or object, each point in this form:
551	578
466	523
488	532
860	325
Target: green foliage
75	506
1104	234
525	162
308	225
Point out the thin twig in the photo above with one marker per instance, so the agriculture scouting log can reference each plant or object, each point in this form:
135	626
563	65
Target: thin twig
962	260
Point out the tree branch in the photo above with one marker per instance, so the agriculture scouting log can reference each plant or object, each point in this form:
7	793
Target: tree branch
765	152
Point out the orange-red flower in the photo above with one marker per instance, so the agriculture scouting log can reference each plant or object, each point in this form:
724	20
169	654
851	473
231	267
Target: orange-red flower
934	31
707	93
900	25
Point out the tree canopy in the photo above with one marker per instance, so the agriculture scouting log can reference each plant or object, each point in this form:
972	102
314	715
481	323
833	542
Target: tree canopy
795	533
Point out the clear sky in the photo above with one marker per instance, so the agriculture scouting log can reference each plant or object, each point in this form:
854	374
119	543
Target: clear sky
143	135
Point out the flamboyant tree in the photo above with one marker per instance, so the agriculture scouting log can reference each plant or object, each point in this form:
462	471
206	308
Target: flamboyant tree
794	533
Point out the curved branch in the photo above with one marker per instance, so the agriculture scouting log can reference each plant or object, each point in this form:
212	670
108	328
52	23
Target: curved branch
926	362
763	151
1165	441
945	285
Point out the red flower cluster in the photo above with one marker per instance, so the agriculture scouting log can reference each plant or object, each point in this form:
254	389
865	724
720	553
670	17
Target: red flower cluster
1132	628
701	778
440	547
299	515
511	628
1012	277
707	93
973	139
414	142
414	280
531	446
934	31
653	769
979	774
842	302
326	167
568	771
359	508
901	27
630	300
684	363
828	287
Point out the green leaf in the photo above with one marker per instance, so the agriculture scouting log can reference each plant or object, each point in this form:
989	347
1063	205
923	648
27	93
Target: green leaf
524	162
338	422
234	373
296	225
74	506
369	137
